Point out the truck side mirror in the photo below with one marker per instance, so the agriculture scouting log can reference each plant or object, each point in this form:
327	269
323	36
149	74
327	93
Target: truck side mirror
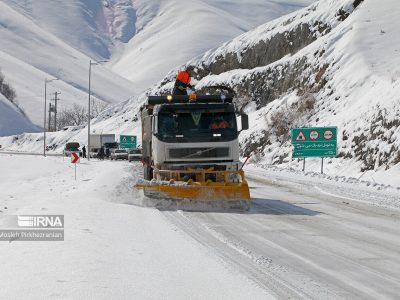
245	121
154	124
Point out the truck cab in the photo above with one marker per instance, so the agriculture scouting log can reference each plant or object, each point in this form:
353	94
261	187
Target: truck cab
184	135
72	147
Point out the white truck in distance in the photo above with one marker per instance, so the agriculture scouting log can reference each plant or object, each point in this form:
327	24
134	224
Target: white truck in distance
98	140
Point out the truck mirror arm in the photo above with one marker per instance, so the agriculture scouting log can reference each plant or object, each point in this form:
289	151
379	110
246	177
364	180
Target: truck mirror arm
245	122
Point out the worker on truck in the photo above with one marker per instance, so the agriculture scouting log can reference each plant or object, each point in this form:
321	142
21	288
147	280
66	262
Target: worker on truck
182	81
219	122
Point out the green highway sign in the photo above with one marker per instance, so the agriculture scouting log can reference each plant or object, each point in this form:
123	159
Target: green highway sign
127	141
314	142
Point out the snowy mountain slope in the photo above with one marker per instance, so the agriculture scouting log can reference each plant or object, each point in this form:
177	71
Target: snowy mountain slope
257	12
12	121
29	54
37	35
89	26
334	63
269	42
177	32
96	27
144	39
343	61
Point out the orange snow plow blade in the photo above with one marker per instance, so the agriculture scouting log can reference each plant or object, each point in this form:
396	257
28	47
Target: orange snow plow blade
226	189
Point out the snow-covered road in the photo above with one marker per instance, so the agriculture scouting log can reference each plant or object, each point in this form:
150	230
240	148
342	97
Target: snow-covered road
303	238
301	242
113	249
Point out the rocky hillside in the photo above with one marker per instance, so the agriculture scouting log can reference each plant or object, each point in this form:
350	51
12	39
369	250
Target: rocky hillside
329	64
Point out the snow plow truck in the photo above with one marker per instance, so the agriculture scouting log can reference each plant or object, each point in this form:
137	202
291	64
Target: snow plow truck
190	153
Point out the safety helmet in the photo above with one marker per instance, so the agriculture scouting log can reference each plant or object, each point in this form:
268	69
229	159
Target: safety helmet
190	68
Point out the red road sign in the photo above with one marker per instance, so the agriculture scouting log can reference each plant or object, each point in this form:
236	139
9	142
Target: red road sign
328	134
74	158
301	137
314	135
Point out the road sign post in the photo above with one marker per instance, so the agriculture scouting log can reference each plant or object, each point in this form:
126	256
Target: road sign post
322	165
314	142
127	141
74	160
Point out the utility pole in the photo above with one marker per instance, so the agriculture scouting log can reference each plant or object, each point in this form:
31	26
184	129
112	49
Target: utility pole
46	81
55	110
50	110
90	75
44	118
89	93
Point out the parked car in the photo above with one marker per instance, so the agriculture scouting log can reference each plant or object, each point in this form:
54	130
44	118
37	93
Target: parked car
93	153
72	147
135	154
108	147
118	154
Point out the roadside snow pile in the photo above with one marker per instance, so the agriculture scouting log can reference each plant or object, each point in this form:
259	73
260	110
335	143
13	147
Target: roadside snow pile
342	187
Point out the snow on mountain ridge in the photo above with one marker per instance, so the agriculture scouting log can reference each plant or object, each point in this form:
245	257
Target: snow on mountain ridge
177	33
47	38
81	24
31	54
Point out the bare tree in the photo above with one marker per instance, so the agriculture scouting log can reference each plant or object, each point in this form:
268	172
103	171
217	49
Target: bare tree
74	116
6	90
77	114
97	108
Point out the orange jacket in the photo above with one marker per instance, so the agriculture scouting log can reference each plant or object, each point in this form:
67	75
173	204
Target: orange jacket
221	124
184	77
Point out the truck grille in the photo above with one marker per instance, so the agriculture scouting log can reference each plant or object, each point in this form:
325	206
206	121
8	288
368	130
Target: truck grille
210	152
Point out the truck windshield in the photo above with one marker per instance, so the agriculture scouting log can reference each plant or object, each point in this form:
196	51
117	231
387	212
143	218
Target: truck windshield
197	125
72	145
